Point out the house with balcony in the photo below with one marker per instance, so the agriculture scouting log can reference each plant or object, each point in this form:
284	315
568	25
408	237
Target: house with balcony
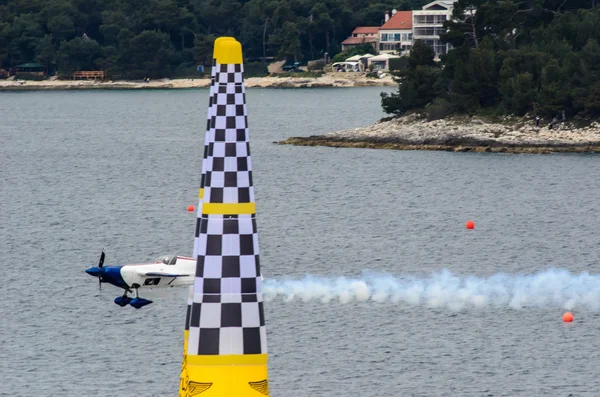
401	28
360	35
395	35
427	24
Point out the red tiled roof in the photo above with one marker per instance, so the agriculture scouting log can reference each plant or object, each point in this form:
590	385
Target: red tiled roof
366	30
400	20
359	40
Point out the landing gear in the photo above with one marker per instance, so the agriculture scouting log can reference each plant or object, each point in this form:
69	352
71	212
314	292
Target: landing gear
139	302
136	302
123	300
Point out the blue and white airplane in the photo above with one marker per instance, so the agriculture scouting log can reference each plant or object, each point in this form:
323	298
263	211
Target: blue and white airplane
167	271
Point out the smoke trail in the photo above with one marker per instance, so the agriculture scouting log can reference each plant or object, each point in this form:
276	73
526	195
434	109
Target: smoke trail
549	288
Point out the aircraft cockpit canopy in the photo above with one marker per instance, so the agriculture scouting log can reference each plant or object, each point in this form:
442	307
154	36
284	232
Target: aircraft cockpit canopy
168	259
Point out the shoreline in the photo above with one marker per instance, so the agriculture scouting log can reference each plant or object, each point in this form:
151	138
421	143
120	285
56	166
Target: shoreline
461	134
328	80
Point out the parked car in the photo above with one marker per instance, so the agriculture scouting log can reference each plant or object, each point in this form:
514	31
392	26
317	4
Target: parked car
293	67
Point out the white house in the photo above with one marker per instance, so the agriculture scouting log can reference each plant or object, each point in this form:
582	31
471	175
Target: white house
395	35
427	24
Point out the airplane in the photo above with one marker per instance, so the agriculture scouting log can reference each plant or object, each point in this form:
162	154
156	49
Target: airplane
166	271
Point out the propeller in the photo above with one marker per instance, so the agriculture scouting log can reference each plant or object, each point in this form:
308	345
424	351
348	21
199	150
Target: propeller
100	263
97	271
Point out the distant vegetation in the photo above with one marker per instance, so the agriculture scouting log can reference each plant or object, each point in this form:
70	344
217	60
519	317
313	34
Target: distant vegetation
164	38
509	56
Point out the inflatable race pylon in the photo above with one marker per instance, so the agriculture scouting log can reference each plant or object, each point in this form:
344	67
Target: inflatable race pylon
227	346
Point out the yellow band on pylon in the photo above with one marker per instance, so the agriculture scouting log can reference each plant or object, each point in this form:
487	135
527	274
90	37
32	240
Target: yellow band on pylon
229	52
229	359
184	378
232	375
201	193
228	208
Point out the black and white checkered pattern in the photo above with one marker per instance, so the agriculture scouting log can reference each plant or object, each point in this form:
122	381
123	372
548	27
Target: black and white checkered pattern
188	310
227	315
213	74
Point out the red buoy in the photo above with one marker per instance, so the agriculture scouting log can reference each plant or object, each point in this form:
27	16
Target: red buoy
568	317
191	208
470	225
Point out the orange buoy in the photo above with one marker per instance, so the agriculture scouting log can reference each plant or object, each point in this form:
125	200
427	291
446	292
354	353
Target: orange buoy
568	317
470	225
191	208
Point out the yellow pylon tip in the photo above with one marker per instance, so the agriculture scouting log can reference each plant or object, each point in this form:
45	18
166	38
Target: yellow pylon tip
218	42
228	52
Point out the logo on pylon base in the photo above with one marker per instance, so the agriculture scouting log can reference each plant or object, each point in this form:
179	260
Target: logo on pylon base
261	386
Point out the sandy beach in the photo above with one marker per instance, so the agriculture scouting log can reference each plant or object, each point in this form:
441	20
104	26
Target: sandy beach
462	134
327	80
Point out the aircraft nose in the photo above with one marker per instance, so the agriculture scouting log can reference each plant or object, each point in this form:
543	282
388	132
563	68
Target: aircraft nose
94	271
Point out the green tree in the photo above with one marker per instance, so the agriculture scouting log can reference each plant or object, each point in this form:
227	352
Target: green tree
61	27
519	93
148	55
77	54
421	54
5	39
418	84
203	49
287	40
46	51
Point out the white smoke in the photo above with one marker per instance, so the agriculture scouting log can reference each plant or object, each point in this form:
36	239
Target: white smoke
549	288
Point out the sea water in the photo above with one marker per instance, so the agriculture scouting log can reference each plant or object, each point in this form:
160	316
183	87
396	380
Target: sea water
374	286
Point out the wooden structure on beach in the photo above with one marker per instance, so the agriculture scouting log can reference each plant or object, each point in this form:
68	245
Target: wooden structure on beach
89	75
31	69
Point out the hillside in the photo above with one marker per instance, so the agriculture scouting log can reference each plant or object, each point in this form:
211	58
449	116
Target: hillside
509	57
136	39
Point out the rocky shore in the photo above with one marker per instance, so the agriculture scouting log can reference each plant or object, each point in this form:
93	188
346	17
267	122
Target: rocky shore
463	134
327	80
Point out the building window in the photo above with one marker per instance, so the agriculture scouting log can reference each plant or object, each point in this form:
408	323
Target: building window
429	31
397	37
388	47
430	19
384	37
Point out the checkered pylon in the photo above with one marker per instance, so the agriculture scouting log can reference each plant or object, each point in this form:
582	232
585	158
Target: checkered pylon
227	316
